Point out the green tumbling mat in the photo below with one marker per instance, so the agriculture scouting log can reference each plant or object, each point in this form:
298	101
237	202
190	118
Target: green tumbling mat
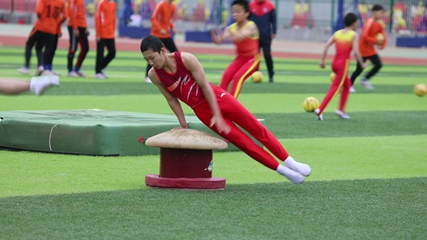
91	132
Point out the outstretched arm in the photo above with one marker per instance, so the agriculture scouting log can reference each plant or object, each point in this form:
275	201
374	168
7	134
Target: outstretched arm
171	99
196	69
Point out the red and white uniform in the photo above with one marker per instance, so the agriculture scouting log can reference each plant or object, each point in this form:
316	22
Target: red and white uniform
244	65
183	86
340	65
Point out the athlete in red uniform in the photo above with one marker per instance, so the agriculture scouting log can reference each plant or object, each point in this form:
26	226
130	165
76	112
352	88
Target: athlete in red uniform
345	41
244	34
181	76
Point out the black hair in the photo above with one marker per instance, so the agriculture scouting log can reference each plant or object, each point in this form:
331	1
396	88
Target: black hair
151	43
349	19
377	7
242	3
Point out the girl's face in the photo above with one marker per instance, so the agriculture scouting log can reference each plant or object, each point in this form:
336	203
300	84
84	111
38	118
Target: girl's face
239	13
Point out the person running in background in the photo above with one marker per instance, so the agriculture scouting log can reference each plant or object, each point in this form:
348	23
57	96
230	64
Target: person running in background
263	13
372	34
105	25
162	25
78	32
244	34
346	41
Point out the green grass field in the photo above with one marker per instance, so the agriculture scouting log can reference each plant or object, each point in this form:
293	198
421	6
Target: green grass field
369	174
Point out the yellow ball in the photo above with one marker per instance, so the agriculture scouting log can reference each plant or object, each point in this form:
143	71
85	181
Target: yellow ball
310	104
420	89
380	38
332	76
256	77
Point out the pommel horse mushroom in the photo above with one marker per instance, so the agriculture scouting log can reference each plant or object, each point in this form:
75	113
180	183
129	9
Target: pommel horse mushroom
185	160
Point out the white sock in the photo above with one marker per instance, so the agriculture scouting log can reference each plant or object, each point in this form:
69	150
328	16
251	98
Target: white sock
301	168
290	174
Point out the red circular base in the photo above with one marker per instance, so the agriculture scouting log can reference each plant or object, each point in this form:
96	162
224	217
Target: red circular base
154	180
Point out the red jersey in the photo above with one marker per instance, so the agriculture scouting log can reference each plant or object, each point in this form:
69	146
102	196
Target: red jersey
343	44
162	19
51	14
181	83
368	39
105	19
248	46
76	14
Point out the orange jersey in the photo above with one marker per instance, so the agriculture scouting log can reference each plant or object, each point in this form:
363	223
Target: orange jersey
248	46
51	14
343	44
76	14
162	19
105	19
368	39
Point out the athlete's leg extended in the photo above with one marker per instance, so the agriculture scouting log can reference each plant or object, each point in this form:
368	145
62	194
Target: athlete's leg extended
375	59
340	68
238	138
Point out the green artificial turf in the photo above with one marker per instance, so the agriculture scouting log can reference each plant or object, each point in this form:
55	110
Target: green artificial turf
368	173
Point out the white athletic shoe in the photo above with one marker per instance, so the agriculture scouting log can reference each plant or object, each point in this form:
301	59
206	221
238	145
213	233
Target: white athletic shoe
39	71
100	76
103	73
319	117
39	84
73	74
343	115
47	72
301	168
367	84
352	90
290	174
147	80
24	70
55	73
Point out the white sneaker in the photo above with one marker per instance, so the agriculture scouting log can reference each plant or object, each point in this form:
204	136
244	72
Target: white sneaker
103	73
352	90
290	174
367	84
55	73
301	168
39	71
39	84
24	70
47	72
73	74
319	117
100	76
147	80
343	115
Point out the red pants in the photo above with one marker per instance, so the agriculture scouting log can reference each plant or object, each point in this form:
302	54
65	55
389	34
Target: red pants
234	114
340	68
237	72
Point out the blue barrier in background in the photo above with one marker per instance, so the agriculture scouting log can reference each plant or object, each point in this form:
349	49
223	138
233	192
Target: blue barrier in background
414	42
